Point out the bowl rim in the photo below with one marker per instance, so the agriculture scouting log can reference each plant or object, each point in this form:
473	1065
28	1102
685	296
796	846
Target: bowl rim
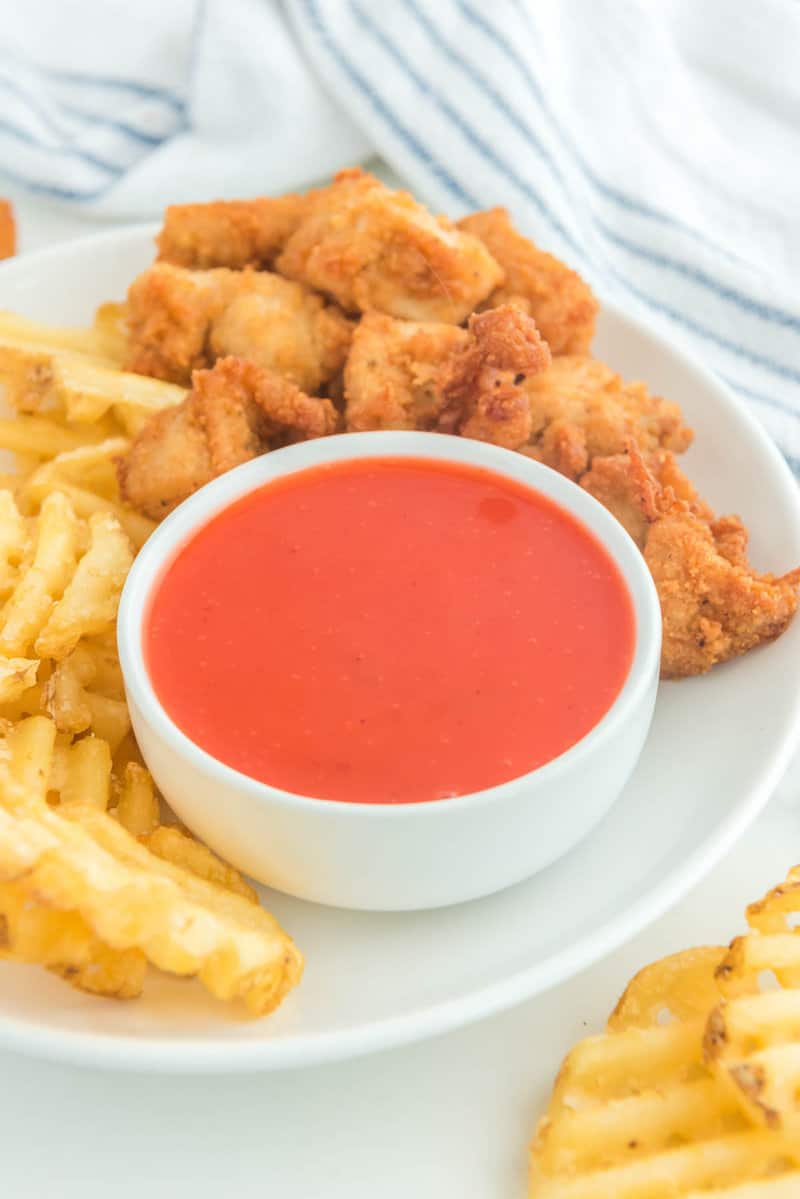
161	548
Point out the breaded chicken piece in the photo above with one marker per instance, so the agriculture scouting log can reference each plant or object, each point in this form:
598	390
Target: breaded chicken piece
409	375
369	247
582	410
629	485
560	302
714	606
231	233
180	321
391	379
485	386
233	413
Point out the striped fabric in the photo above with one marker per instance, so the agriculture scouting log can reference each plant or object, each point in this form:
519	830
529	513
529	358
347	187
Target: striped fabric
70	135
652	146
601	129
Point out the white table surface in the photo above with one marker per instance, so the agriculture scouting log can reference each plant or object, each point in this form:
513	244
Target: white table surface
449	1117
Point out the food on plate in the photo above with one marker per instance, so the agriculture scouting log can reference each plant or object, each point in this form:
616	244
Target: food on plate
410	354
519	375
123	903
408	375
78	893
87	477
230	233
494	685
692	1089
561	303
234	412
628	484
581	410
8	230
372	248
180	321
714	606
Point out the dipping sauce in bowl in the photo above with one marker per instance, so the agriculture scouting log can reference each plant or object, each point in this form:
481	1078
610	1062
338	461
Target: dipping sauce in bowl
388	631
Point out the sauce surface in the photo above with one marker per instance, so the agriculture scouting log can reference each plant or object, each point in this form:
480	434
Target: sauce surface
389	631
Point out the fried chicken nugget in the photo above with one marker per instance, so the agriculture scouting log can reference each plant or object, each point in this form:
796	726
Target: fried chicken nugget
485	386
182	320
230	233
561	303
409	375
233	413
582	410
630	486
369	247
714	606
391	379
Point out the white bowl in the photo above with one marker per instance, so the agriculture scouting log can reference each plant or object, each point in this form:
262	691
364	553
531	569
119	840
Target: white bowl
403	856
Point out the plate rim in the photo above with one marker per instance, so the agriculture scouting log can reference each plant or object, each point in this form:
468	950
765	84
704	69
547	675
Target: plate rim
193	1055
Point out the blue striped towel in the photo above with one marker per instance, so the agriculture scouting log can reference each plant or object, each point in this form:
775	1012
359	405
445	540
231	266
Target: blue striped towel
653	147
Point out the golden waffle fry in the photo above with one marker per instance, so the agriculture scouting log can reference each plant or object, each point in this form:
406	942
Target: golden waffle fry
74	858
64	943
687	980
753	1035
43	582
63	594
17	675
90	466
92	886
87	477
42	483
137	806
175	846
91	598
637	1113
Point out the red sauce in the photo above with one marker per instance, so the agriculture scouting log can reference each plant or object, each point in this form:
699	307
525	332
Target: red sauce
389	631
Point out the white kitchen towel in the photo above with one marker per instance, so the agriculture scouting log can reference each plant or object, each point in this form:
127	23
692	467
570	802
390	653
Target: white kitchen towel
656	147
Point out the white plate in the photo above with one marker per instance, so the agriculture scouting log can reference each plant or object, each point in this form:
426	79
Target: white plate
717	748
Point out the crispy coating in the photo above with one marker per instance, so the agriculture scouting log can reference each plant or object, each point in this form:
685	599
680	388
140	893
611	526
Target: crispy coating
714	606
581	410
484	387
561	303
180	321
392	374
233	413
630	487
408	375
369	247
231	233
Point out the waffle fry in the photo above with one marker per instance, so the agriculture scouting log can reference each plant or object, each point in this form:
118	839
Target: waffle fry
92	885
174	846
64	943
137	807
76	860
753	1035
87	478
638	1113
